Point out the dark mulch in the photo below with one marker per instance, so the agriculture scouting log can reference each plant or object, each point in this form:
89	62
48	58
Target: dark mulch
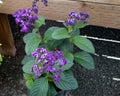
97	82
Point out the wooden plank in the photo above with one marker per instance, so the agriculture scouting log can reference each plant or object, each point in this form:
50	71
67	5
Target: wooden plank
115	2
101	14
6	38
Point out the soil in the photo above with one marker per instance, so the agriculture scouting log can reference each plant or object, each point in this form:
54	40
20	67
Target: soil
97	82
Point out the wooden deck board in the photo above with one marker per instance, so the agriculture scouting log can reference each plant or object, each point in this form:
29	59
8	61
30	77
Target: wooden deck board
114	2
100	14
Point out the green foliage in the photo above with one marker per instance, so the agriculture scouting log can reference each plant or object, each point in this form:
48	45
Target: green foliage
32	41
67	81
39	87
60	33
75	33
51	90
69	57
84	59
83	43
28	66
80	25
29	83
40	22
48	33
66	45
26	59
1	59
53	44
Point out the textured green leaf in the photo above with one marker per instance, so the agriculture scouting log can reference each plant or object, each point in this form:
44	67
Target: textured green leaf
28	76
0	59
26	37
84	59
80	24
83	43
66	45
60	33
32	41
48	33
29	83
69	57
76	33
51	90
67	81
26	59
40	21
26	68
39	87
52	44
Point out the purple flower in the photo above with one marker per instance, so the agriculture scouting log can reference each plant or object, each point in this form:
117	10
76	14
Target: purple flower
70	21
24	29
36	70
56	78
62	61
71	13
84	14
35	9
75	17
26	18
46	62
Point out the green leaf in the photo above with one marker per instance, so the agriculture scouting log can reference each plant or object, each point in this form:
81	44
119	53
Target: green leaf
60	33
51	90
26	59
48	33
52	44
39	87
35	30
83	43
66	45
40	21
28	76
80	24
26	37
69	57
67	81
32	41
76	33
1	59
84	59
69	28
29	83
26	68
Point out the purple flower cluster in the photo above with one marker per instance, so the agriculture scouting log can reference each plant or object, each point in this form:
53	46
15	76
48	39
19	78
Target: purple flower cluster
46	62
26	18
74	17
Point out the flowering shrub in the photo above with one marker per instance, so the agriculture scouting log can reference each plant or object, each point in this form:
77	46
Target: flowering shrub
49	57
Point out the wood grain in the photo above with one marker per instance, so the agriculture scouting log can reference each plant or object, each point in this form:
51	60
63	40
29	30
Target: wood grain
115	2
6	38
101	14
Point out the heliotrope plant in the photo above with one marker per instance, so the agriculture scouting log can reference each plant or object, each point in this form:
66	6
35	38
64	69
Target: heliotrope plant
49	57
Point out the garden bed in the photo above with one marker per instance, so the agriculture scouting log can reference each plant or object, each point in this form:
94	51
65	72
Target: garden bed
97	82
